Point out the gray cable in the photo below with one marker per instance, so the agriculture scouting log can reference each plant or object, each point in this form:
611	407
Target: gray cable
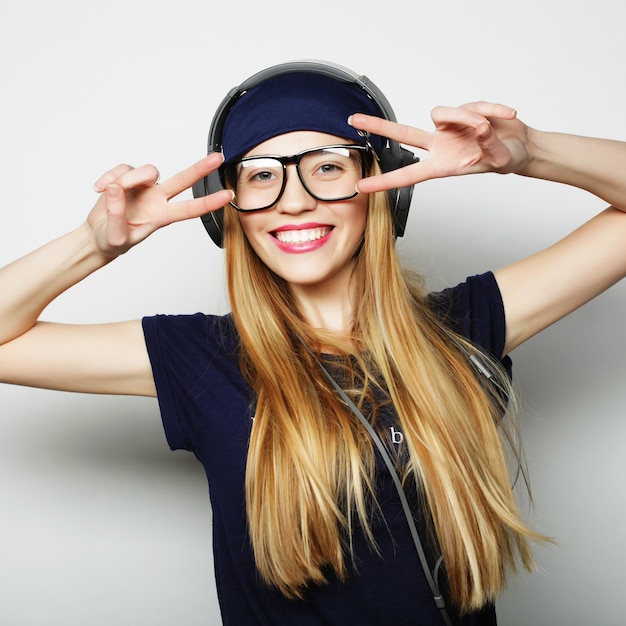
432	583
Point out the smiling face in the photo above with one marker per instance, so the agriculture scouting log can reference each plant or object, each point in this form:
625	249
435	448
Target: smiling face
309	243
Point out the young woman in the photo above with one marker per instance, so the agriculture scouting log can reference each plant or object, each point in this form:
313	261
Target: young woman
352	427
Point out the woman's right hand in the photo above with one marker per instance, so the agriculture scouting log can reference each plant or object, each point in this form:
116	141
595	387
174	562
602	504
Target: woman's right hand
133	204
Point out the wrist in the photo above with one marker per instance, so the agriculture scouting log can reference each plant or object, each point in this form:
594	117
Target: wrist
88	249
535	154
558	157
85	256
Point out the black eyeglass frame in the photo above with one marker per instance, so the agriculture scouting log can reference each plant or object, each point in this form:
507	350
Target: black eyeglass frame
366	151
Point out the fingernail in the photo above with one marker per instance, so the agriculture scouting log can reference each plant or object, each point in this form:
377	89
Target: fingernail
350	121
483	129
113	191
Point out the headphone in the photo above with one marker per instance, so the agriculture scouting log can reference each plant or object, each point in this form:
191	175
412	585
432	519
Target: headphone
393	156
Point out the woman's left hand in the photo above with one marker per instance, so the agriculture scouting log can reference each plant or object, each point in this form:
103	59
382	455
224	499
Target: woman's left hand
471	139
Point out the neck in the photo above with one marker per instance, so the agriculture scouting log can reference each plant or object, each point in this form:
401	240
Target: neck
329	306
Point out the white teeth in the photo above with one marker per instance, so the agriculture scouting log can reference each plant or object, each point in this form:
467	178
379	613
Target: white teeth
301	236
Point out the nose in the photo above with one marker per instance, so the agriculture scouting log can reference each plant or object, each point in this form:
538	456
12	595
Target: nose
295	199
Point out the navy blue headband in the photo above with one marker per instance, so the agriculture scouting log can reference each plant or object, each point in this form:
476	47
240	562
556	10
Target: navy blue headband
296	101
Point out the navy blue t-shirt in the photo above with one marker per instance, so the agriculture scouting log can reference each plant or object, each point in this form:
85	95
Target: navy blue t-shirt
207	408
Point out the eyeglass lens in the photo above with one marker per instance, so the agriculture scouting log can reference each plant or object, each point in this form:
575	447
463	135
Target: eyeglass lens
328	174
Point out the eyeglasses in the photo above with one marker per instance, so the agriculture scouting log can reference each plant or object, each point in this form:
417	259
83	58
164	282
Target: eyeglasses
328	173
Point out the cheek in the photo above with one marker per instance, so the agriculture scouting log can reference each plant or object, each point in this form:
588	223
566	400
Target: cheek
248	224
359	215
252	228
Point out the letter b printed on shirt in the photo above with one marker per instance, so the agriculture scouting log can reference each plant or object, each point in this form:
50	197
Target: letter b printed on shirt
396	436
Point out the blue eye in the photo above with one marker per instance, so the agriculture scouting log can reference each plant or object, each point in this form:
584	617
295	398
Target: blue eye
263	176
260	171
329	168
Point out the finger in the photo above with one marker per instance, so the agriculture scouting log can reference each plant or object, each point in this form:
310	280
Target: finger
111	176
490	109
189	209
386	128
402	177
187	177
117	227
496	153
457	116
471	115
143	176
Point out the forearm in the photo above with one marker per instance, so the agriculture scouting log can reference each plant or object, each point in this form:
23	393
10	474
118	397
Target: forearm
29	284
596	165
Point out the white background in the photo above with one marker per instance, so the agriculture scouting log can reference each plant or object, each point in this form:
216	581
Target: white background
100	523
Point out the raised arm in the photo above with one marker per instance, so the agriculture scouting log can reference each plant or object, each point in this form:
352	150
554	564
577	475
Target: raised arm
546	286
483	137
107	358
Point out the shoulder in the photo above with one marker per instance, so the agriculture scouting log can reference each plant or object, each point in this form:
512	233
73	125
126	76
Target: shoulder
189	329
475	292
195	366
190	343
474	309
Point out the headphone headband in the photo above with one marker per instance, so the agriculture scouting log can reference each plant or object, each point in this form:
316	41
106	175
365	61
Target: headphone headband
392	157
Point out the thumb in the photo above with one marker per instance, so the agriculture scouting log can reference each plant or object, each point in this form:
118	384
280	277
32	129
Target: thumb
116	225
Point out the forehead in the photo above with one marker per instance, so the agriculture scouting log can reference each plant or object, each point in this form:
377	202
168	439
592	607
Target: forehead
292	143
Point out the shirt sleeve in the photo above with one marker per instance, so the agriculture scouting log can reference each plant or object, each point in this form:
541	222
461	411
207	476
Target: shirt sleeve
195	368
475	310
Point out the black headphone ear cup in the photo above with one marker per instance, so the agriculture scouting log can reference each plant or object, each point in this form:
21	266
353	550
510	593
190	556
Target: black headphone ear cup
213	222
401	202
392	158
214	225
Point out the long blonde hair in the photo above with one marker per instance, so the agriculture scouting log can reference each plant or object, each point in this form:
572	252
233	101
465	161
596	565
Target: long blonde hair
310	466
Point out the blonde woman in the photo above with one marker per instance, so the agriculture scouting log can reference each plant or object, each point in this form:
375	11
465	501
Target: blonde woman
352	427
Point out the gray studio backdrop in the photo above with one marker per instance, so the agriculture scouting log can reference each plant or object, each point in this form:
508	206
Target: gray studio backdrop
100	523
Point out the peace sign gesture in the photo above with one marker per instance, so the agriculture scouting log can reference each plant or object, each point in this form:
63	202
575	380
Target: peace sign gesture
133	204
474	138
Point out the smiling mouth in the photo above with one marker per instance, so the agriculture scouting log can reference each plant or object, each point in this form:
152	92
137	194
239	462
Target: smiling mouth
302	236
